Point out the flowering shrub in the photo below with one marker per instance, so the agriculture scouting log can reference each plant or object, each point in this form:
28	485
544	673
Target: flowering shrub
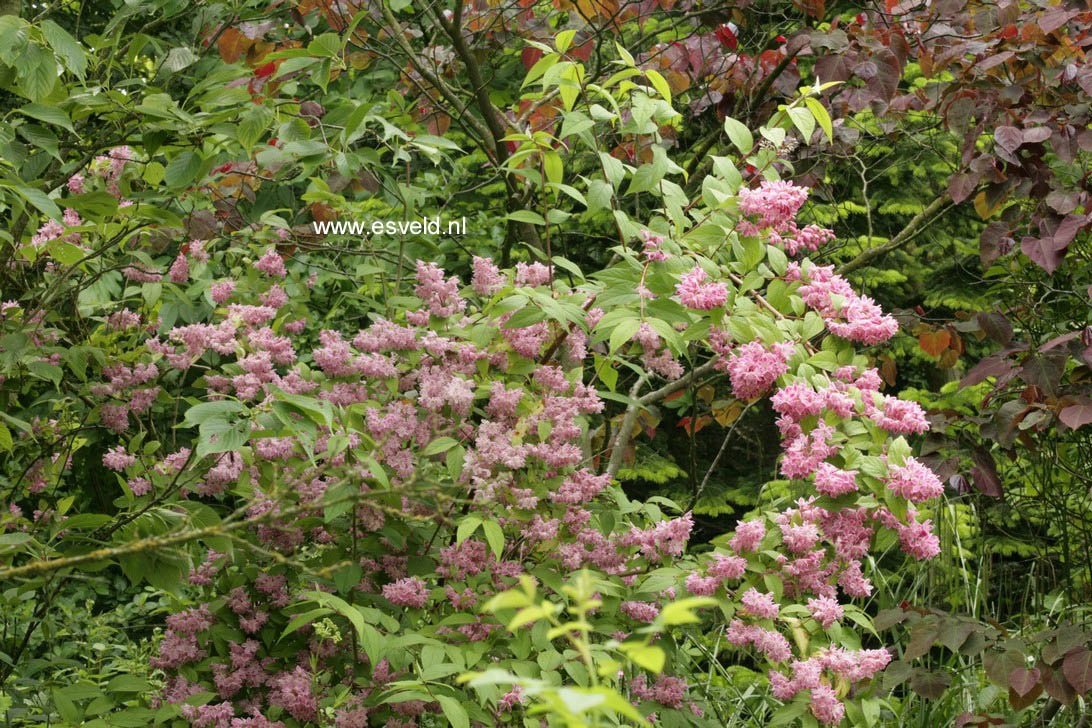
353	514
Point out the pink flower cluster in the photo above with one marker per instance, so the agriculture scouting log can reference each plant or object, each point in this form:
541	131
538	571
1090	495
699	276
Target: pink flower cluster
652	250
852	665
407	592
753	367
847	314
118	459
693	290
773	206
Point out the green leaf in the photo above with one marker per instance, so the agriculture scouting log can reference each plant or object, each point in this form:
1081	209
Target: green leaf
305	618
154	173
682	611
454	711
660	84
563	40
66	707
200	413
340	606
788	713
65	46
128	684
66	253
97	204
467	527
40	200
526	216
37	73
5	438
494	536
179	58
739	134
48	114
14	539
14	36
622	333
439	445
821	116
804	121
182	170
252	125
647	656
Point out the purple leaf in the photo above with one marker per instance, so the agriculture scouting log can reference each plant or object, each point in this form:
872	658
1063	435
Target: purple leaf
1078	669
1022	680
1043	252
984	474
1036	134
1076	415
960	186
994	242
1059	340
988	367
1055	18
996	326
1065	233
1008	138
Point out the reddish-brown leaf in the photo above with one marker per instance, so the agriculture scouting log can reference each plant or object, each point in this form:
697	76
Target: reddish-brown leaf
231	45
1019	702
934	343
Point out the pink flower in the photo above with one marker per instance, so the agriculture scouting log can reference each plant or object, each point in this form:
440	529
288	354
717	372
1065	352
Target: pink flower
535	274
703	586
118	459
728	567
759	604
222	291
652	251
511	699
180	269
918	540
825	705
292	691
825	610
749	535
829	480
407	592
487	278
753	368
272	265
694	292
913	481
639	611
775	203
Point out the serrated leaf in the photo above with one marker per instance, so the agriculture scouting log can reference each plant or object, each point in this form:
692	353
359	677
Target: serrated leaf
48	114
182	170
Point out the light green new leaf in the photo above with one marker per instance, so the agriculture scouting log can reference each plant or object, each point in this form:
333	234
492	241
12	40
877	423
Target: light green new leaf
739	134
